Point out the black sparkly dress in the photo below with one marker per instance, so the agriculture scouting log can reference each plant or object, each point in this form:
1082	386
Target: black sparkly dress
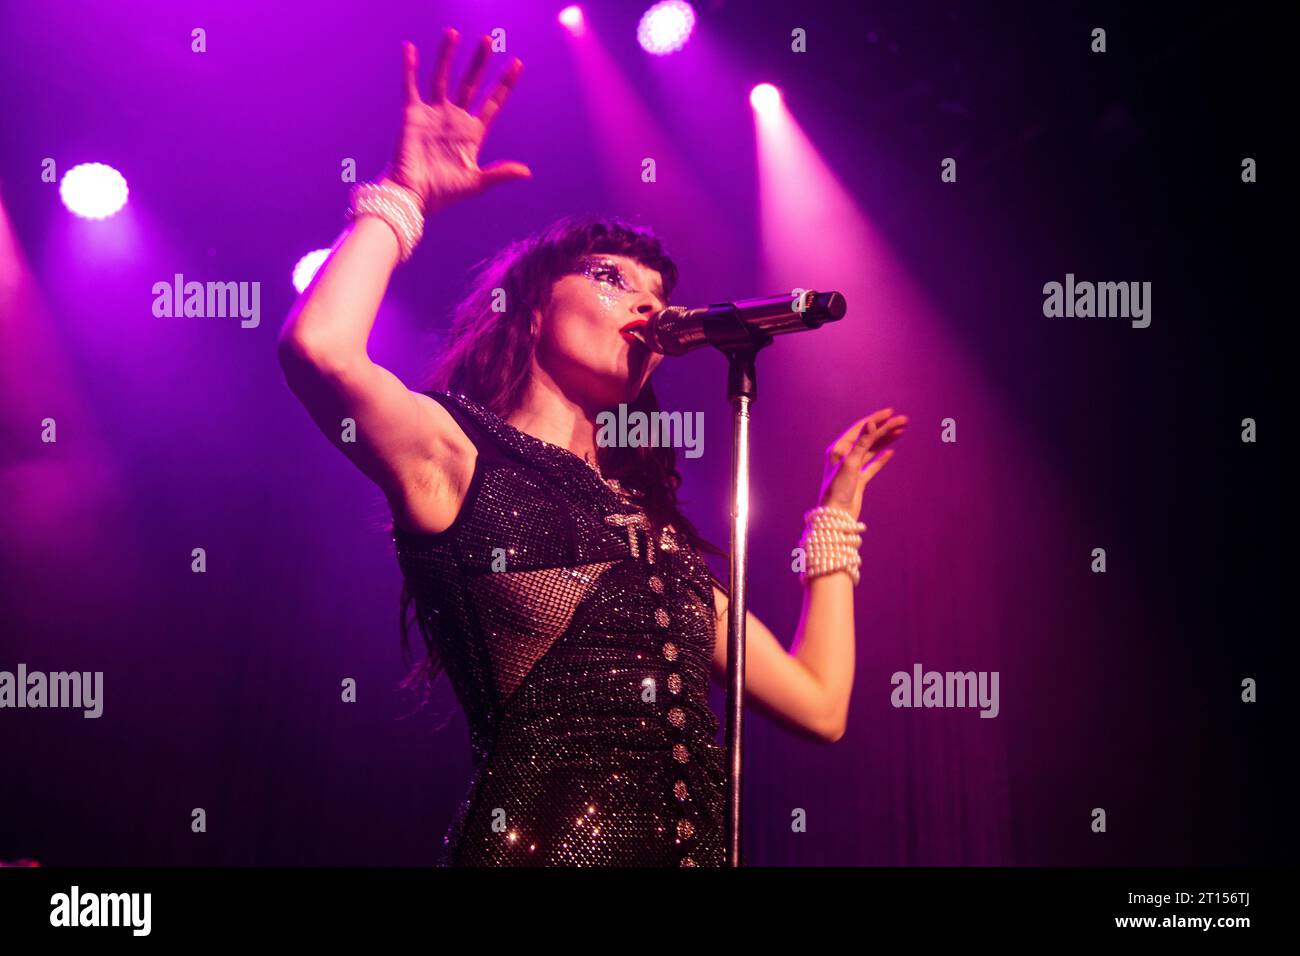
579	649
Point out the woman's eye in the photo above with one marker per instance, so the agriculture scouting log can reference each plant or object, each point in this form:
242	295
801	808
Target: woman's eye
610	274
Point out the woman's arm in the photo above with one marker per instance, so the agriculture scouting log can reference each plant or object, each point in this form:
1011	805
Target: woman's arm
808	688
405	442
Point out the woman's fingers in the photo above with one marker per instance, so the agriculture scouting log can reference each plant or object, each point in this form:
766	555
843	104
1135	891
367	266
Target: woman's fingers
877	431
411	71
503	171
863	446
442	72
844	444
492	106
892	428
863	430
877	463
883	437
469	86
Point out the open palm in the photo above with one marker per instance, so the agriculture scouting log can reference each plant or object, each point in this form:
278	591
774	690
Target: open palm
437	151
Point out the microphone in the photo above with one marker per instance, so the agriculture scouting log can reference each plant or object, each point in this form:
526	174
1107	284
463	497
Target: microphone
740	324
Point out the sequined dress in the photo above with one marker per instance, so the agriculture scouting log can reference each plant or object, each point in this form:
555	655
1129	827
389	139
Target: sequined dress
579	650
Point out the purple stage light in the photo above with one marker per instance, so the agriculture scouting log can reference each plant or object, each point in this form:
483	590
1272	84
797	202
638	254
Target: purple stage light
571	19
765	98
666	27
93	190
307	268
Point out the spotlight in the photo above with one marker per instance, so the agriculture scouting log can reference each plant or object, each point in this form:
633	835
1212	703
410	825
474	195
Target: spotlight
666	27
93	190
307	268
765	98
571	19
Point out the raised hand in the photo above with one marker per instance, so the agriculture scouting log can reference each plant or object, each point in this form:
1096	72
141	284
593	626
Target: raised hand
437	152
852	460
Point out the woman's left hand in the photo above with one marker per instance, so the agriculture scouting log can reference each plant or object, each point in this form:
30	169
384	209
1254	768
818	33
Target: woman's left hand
857	456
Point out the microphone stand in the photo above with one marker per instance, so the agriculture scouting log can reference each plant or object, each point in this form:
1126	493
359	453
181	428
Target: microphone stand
742	389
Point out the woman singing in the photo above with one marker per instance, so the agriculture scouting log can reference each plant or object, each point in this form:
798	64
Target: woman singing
557	582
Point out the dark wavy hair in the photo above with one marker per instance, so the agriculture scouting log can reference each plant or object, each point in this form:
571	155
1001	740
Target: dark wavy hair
489	357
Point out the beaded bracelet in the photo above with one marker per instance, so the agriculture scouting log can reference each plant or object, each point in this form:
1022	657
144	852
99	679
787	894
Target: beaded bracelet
830	542
395	206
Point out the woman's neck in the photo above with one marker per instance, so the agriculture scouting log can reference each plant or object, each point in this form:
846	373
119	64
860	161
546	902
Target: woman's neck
549	414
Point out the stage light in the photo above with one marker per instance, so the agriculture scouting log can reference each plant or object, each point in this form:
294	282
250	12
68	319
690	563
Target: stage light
666	27
93	190
765	98
571	19
307	268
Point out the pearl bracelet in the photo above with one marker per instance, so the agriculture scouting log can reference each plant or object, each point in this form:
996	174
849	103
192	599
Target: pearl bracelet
830	542
395	206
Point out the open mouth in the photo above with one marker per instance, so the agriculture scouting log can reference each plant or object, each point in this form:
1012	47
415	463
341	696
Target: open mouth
634	331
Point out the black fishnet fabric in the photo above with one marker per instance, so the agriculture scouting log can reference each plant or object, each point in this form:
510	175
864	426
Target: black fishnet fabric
579	650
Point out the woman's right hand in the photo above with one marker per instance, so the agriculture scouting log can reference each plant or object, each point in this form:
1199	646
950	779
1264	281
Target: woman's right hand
437	152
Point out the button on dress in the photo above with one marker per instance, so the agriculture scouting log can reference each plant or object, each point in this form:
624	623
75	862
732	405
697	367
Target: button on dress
578	643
